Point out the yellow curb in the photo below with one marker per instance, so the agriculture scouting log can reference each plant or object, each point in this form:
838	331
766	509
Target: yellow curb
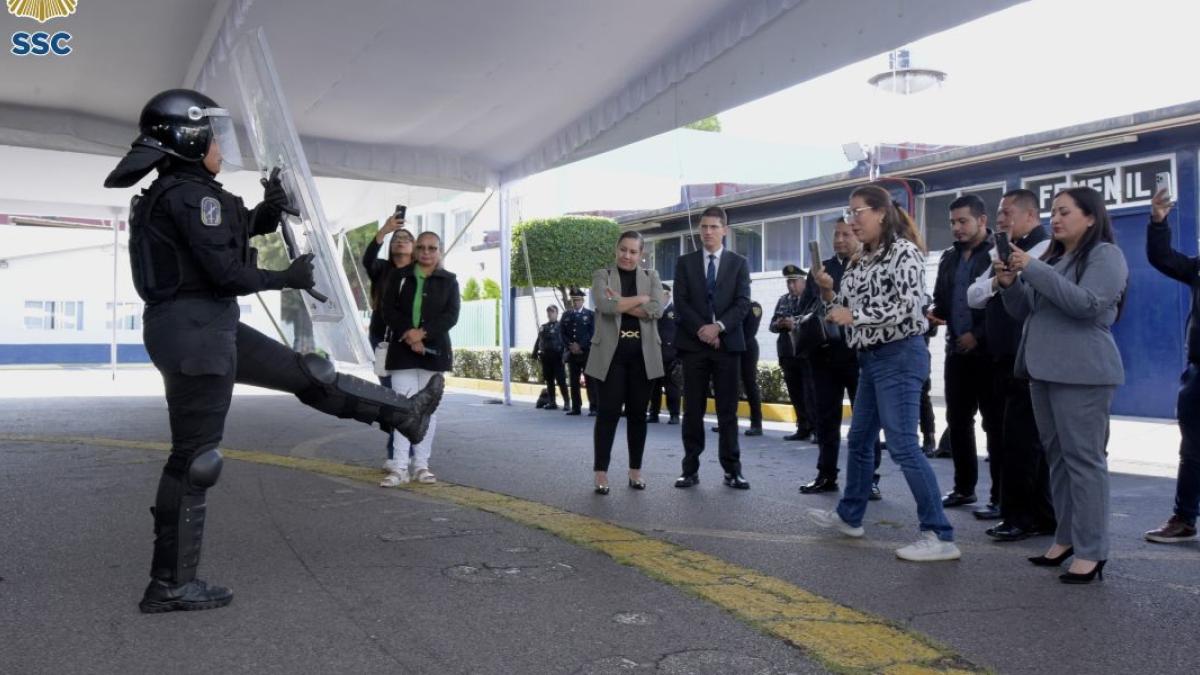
772	412
843	639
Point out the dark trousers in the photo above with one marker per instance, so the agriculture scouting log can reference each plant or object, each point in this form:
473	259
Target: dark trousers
575	365
554	373
833	379
665	384
1187	488
748	370
626	385
928	423
970	387
1025	485
799	379
721	368
386	381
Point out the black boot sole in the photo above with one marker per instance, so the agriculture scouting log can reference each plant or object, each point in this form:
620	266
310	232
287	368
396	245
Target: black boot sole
160	607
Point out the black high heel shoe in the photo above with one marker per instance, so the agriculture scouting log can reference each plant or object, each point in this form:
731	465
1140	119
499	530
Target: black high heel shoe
1086	578
601	489
1043	561
637	484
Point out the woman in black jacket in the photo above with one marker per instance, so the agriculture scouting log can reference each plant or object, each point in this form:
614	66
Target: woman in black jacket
420	305
400	254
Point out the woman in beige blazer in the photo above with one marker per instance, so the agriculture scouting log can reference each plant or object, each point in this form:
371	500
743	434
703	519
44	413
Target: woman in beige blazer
626	354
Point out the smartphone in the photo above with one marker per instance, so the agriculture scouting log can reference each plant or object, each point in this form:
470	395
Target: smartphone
1003	247
814	254
401	210
1162	181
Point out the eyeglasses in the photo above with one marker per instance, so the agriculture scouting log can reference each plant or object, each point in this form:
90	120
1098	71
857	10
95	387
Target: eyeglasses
850	214
426	248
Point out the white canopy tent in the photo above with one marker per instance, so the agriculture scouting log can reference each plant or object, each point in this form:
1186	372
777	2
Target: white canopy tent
461	94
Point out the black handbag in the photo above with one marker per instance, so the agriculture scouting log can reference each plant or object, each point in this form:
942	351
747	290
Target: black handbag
811	332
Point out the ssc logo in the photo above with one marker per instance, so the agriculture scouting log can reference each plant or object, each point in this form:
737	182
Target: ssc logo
41	43
41	10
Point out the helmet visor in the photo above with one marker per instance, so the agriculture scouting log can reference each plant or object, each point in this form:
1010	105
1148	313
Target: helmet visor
224	133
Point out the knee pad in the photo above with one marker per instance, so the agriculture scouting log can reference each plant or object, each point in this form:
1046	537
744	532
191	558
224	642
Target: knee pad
205	469
319	370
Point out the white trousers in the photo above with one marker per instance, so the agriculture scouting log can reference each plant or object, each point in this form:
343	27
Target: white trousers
408	382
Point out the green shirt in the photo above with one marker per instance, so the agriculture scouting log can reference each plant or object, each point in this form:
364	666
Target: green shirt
417	293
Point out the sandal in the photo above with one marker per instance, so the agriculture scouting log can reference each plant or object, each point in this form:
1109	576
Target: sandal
395	478
424	475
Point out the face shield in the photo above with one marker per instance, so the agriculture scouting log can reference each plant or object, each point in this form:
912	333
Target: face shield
223	131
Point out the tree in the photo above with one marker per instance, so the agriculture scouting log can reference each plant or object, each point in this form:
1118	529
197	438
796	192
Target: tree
563	251
471	290
710	123
491	289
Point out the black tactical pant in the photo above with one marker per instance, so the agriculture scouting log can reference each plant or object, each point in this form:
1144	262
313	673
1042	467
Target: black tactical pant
575	365
553	373
798	377
748	371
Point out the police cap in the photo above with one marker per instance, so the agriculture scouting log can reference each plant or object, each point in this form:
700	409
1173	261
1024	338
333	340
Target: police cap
794	272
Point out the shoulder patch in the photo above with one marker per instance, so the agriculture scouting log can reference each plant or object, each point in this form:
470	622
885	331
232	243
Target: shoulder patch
757	309
210	212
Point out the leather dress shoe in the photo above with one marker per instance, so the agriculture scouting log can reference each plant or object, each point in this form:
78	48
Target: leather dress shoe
754	431
687	480
573	412
989	511
735	480
953	499
1008	532
821	484
798	436
161	596
550	406
674	419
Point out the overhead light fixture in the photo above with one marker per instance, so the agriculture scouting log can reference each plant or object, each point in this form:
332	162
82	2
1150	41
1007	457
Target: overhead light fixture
901	78
1066	150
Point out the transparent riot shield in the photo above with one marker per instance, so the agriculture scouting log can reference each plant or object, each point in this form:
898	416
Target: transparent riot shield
335	323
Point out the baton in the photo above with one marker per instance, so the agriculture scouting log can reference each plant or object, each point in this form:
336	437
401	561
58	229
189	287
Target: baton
289	241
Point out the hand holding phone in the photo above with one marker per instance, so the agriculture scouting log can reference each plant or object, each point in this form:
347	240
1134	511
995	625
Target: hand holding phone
1003	247
401	210
814	253
1163	200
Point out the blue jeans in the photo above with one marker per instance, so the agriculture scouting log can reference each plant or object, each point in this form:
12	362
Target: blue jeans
889	397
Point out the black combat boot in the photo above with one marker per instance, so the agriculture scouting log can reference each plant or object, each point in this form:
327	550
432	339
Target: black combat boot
173	584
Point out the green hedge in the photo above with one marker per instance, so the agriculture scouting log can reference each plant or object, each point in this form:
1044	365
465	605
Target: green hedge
484	364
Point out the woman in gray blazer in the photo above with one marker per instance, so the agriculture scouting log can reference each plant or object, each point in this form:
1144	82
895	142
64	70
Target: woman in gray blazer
626	354
1070	299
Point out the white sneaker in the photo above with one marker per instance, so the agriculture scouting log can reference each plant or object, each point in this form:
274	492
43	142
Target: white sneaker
929	549
424	475
395	478
830	520
394	466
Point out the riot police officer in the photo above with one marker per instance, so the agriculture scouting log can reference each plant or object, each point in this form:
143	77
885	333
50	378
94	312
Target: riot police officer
577	326
190	257
548	349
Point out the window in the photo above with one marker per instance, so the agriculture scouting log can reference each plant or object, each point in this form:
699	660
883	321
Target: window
935	213
665	252
436	223
53	315
747	241
129	316
820	226
461	218
784	242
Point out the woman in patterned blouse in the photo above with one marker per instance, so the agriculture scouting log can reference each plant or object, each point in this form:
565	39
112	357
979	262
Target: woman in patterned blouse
882	293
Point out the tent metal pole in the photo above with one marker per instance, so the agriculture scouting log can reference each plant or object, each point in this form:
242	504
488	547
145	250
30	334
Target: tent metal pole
112	352
505	292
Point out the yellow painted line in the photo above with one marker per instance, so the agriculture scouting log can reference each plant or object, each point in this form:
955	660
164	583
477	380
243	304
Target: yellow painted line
772	412
841	638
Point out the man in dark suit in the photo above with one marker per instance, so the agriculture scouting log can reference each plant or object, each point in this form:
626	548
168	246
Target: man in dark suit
670	380
576	328
712	297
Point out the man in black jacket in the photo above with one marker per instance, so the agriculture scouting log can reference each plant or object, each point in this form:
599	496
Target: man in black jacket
796	375
548	350
712	296
1025	486
672	376
748	368
576	328
1182	524
968	372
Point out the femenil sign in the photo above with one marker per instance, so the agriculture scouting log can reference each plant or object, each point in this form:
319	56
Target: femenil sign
1126	184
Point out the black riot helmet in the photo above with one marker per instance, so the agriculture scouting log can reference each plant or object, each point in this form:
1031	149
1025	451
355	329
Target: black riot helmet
181	123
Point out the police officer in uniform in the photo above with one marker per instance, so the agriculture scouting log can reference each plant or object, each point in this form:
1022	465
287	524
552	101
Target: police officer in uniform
577	326
748	368
548	349
190	256
796	374
672	368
